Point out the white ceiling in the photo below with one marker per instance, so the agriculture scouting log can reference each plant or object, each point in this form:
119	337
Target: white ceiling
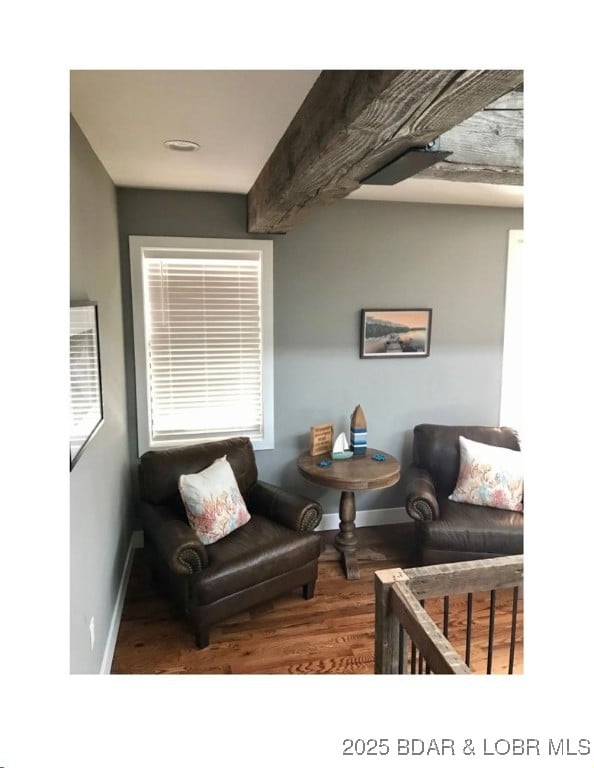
237	117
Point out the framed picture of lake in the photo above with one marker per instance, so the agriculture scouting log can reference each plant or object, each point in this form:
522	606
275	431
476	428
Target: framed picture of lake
395	332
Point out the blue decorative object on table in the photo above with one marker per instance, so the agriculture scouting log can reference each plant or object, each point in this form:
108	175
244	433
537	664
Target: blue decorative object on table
324	463
378	457
358	432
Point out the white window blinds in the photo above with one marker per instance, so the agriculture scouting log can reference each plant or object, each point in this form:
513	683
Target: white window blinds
204	339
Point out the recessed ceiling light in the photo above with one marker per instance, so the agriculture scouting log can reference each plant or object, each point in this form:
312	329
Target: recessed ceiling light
181	145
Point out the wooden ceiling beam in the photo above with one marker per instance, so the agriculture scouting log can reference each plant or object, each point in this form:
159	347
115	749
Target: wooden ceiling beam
354	122
487	147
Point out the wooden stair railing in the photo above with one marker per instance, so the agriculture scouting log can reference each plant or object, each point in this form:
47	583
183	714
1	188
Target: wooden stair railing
400	614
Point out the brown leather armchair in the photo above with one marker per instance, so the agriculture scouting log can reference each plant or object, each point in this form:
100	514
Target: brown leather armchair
274	552
449	531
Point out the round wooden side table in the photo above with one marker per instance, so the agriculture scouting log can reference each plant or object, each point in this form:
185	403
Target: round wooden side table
359	473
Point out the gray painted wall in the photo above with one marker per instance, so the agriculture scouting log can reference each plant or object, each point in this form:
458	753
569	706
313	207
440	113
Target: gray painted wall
352	255
100	508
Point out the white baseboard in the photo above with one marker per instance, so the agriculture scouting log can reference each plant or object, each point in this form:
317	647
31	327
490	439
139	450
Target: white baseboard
366	517
136	542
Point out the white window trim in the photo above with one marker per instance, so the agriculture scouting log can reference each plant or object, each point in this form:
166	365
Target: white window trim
510	409
139	244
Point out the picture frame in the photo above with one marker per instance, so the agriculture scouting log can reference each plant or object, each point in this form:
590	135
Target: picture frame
86	395
395	333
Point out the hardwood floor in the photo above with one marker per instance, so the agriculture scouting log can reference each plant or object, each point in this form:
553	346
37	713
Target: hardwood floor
332	633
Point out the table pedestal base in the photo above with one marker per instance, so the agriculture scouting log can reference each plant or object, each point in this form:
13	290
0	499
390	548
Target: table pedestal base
360	473
346	540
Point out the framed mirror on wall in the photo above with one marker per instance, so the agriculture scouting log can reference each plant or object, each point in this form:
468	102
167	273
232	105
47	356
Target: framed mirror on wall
86	400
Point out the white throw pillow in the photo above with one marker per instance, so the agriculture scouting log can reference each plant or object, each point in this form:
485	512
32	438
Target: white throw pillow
489	476
213	502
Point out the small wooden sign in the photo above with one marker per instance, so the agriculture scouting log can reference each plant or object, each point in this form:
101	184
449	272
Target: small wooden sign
320	439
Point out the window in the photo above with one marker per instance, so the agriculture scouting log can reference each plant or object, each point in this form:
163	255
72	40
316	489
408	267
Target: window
202	340
510	414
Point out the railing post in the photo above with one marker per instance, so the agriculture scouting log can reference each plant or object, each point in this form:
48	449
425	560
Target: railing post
387	626
400	615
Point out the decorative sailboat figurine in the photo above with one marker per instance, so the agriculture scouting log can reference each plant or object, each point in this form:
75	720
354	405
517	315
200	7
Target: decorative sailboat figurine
341	448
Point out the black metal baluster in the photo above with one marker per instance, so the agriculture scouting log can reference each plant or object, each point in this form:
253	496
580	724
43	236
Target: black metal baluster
512	641
468	628
446	614
413	659
491	631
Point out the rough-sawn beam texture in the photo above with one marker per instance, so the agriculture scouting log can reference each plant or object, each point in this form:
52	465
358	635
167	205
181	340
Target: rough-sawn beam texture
352	123
488	147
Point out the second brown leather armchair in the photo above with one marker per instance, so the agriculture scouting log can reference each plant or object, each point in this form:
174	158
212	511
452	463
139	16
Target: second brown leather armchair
274	552
449	531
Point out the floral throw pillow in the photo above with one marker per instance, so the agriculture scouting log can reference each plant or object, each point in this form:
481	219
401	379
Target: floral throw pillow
489	476
214	504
